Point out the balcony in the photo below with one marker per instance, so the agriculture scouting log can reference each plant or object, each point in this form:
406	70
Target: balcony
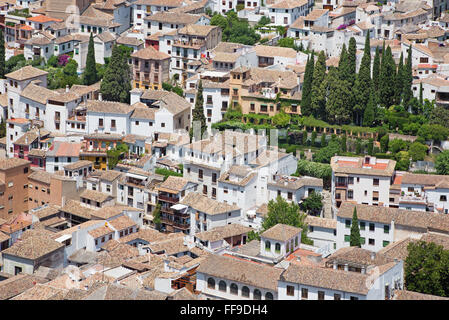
192	43
168	199
413	199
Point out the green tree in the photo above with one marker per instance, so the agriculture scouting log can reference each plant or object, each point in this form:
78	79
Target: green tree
325	154
116	82
358	146
313	203
198	112
318	94
2	55
354	238
280	211
370	146
306	100
439	115
281	119
362	86
115	154
369	113
399	81
287	43
376	70
252	235
90	75
263	21
323	140
343	143
442	163
421	101
417	151
304	137
314	169
157	217
426	269
351	67
386	79
337	110
384	143
407	93
313	138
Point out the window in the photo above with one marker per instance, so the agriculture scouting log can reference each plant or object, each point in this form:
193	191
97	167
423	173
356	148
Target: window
362	225
354	298
337	296
222	286
371	227
351	180
290	290
234	289
362	240
385	243
375	182
268	296
443	198
100	122
277	247
257	295
211	283
113	124
25	170
347	238
304	293
267	245
350	194
289	195
347	223
371	242
320	295
200	174
386	229
245	291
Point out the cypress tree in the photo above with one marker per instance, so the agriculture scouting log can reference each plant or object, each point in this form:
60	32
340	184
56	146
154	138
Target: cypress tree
352	51
2	55
362	87
307	87
368	115
336	104
343	143
318	96
90	72
407	93
342	63
354	240
421	100
376	70
399	81
386	79
198	111
116	82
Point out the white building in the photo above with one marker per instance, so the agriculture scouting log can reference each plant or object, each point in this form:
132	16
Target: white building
206	214
380	226
361	180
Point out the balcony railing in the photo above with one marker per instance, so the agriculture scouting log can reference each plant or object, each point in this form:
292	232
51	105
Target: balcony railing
169	199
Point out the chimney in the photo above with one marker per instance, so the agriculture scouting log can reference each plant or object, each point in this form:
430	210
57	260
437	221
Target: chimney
66	88
335	265
346	267
100	97
373	255
363	270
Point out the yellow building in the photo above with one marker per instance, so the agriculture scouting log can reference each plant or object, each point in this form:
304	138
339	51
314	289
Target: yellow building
263	91
150	68
95	148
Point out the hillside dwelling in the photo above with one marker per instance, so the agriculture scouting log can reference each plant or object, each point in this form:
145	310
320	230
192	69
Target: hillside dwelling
279	241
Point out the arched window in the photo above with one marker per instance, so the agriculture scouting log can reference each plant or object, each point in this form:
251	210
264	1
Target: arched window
296	241
245	291
211	283
267	245
268	296
257	295
288	247
277	247
222	286
234	289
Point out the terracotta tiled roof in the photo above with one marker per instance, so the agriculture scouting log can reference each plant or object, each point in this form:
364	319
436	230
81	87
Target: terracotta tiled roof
25	73
202	203
17	284
95	195
6	164
410	295
33	247
281	232
122	222
254	274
